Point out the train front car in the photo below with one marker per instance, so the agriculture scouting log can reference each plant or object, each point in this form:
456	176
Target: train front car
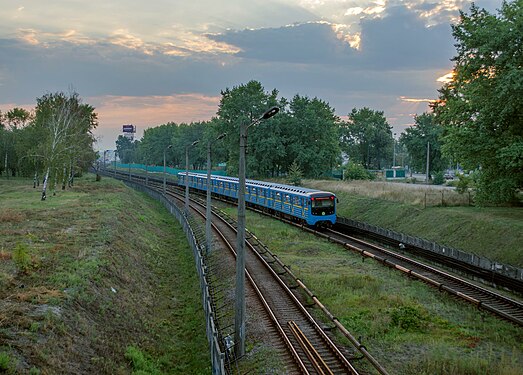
322	210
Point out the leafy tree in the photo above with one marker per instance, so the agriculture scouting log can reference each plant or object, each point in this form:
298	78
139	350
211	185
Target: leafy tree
415	139
310	136
127	149
367	138
13	122
481	109
295	174
17	117
242	105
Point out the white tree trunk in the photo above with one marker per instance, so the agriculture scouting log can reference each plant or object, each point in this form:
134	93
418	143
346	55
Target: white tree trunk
44	188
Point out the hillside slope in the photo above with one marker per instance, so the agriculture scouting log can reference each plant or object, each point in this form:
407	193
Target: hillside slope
98	279
492	232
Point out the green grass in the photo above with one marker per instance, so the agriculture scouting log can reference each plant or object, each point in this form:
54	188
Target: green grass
106	268
492	232
409	327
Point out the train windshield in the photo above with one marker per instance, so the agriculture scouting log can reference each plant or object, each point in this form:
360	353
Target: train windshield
323	202
323	205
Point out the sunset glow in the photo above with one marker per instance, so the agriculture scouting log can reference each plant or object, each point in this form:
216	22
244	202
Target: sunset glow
151	63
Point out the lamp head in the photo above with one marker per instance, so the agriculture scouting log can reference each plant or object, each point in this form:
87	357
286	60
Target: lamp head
270	112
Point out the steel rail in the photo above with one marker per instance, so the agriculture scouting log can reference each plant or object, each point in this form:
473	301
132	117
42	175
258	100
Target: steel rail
361	348
484	298
298	304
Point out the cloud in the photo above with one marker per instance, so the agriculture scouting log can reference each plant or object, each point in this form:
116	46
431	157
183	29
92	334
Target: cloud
147	111
307	43
349	53
401	40
398	40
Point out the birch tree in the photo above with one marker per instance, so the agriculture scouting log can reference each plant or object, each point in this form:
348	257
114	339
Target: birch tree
66	125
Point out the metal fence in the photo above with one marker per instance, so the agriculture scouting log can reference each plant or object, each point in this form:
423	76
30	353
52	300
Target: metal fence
198	248
159	169
476	260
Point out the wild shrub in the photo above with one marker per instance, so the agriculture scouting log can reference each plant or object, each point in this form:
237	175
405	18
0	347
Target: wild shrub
5	362
295	174
439	178
140	362
22	258
408	318
463	184
354	171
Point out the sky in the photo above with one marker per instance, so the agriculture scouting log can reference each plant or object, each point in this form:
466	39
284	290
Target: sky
147	63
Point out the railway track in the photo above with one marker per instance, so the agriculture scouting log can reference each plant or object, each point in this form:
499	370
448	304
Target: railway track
308	347
483	298
490	277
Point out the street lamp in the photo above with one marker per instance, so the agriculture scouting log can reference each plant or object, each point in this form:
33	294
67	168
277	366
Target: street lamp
146	160
114	163
239	320
394	155
428	162
129	161
208	210
164	150
187	175
105	160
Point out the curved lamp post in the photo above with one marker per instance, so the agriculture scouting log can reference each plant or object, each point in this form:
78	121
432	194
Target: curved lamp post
208	210
239	320
115	163
187	175
164	150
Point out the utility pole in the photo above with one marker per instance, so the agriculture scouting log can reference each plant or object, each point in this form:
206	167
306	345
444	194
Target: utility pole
428	162
187	176
239	319
164	150
208	211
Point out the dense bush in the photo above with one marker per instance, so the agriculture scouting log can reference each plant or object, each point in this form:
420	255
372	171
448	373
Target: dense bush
354	171
439	178
464	183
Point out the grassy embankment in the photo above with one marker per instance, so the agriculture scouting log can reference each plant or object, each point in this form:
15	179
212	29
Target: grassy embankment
97	279
492	232
409	327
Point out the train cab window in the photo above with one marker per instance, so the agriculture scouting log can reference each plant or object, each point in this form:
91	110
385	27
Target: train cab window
323	202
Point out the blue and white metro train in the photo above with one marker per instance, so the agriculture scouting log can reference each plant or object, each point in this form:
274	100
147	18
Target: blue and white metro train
314	207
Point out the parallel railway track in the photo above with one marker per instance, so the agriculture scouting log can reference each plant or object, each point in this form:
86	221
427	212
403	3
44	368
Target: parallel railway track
303	339
502	306
310	348
485	299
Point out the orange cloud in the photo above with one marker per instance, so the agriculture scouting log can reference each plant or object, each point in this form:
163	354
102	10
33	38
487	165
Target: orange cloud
447	78
416	100
148	111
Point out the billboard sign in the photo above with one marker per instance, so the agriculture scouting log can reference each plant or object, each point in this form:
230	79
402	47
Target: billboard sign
129	129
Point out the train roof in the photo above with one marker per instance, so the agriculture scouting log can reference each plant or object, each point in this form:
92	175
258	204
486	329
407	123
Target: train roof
272	185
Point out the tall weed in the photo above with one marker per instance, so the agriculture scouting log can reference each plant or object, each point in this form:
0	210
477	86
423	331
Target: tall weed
22	258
